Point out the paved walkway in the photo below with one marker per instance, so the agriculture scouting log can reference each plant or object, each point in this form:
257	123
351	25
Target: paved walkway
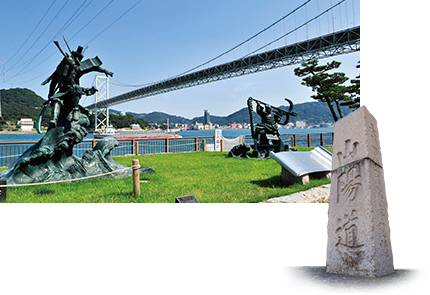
314	195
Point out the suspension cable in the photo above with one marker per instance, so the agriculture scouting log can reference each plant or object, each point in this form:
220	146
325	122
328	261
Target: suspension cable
222	54
295	29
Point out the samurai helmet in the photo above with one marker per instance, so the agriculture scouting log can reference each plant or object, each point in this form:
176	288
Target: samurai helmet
78	53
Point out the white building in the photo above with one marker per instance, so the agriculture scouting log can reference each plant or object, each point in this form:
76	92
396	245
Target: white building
27	124
135	127
199	126
300	124
288	125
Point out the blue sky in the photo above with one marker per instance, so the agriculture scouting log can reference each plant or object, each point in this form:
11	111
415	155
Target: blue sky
154	40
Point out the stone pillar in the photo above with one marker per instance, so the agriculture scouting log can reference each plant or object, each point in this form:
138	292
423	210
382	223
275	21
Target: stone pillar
358	230
288	178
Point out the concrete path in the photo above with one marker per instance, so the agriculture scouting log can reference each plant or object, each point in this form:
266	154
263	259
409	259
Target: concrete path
314	195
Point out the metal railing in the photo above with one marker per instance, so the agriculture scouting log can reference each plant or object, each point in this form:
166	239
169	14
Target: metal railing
11	151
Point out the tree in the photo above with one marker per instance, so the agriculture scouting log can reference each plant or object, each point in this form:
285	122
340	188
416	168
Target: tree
329	87
354	92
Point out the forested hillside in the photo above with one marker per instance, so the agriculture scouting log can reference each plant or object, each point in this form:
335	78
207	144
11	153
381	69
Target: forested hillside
20	103
23	103
118	121
311	112
17	103
314	112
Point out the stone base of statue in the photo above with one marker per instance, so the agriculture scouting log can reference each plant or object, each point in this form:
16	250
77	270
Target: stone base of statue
52	159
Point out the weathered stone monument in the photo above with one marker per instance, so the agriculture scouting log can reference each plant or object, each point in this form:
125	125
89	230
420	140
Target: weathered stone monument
358	230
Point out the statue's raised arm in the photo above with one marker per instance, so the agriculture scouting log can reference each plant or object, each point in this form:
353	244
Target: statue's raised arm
65	91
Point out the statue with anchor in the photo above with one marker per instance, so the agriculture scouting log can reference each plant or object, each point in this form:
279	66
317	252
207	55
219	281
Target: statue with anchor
52	158
265	134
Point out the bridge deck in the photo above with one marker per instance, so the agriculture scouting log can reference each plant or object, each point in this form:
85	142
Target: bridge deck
337	43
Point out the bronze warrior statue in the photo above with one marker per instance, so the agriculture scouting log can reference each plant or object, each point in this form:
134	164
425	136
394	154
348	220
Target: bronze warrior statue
265	134
53	157
268	123
64	90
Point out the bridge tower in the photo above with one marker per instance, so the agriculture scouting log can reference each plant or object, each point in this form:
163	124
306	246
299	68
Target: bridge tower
101	114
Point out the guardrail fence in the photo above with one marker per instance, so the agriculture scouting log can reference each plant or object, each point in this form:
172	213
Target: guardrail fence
11	151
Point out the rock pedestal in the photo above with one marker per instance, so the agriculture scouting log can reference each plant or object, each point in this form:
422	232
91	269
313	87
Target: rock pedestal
52	158
358	230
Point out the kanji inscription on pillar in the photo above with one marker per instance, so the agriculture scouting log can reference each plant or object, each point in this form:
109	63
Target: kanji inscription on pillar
358	230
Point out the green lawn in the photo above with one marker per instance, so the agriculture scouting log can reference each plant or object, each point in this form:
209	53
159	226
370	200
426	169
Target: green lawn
210	176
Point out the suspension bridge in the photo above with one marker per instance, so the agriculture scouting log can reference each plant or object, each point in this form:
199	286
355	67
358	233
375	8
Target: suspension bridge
342	42
337	42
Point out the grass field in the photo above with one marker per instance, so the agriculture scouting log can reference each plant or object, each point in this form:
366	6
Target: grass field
210	176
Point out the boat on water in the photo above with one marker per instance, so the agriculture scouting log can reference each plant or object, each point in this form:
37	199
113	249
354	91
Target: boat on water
136	134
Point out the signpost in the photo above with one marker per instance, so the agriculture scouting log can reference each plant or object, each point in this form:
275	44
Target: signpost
186	199
218	138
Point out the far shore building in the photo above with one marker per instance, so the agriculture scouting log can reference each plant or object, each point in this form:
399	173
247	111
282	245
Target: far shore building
206	118
288	125
27	124
300	124
198	126
135	127
209	126
236	126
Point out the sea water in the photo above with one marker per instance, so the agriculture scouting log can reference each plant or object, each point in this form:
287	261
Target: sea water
13	145
227	133
233	133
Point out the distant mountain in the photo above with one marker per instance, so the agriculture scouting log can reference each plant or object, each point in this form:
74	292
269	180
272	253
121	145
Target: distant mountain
19	103
161	118
241	116
314	112
310	112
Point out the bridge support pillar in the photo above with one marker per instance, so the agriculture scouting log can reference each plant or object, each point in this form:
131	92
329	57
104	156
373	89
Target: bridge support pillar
101	114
